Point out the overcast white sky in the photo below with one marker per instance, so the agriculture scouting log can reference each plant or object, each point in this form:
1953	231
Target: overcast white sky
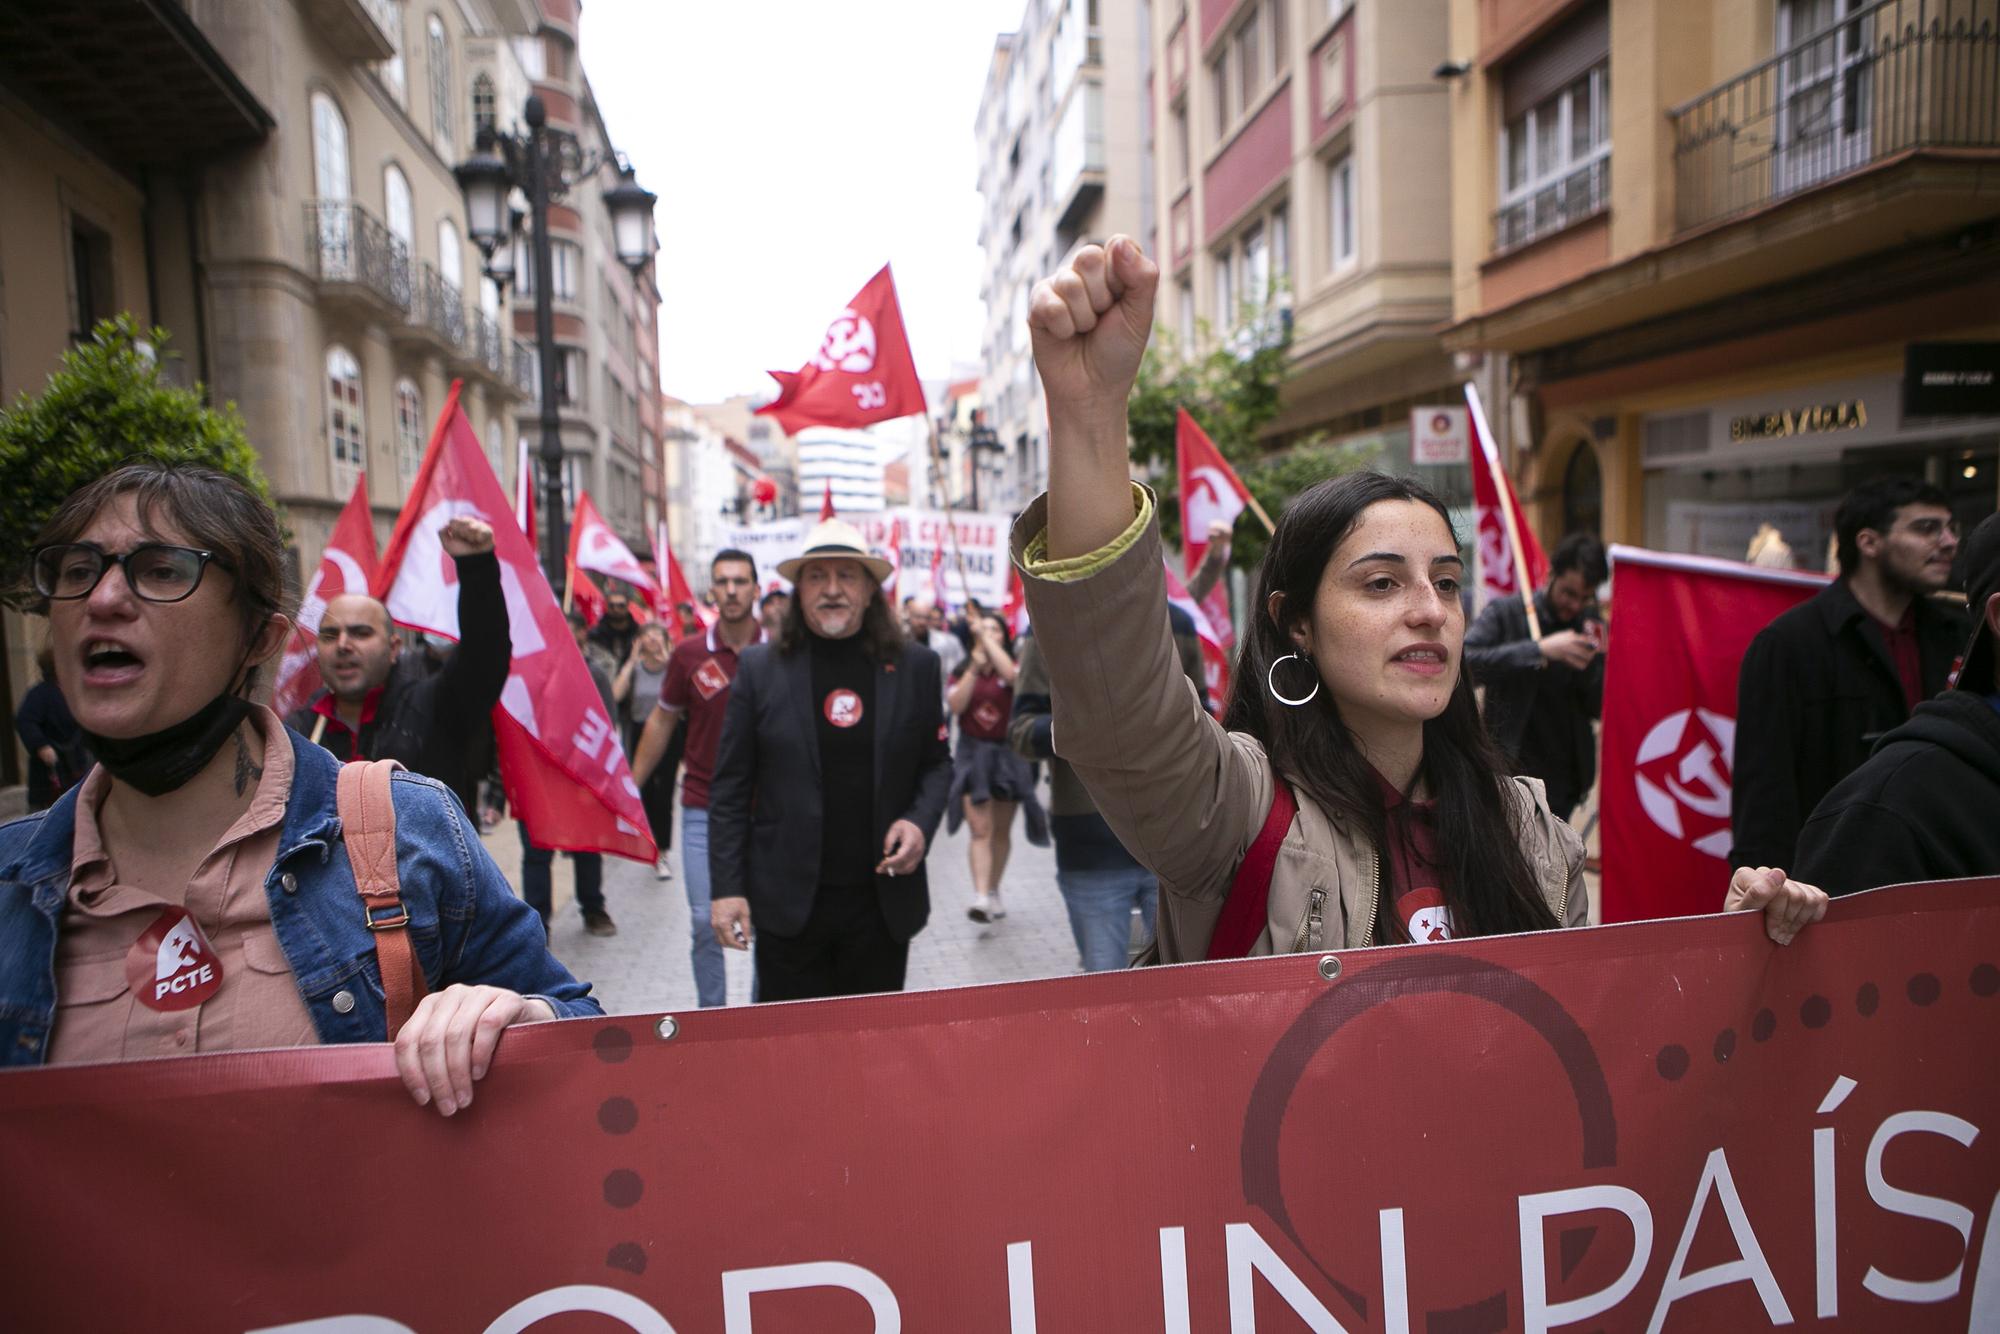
796	147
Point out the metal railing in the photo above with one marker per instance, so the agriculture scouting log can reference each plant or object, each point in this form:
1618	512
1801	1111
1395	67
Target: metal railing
1885	79
1566	200
489	346
350	246
437	307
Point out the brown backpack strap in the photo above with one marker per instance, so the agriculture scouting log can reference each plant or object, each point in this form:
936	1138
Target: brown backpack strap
368	827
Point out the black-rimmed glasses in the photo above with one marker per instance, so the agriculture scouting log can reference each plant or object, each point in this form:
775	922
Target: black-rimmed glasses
154	571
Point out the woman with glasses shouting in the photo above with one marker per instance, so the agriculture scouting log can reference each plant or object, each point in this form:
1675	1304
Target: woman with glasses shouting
193	894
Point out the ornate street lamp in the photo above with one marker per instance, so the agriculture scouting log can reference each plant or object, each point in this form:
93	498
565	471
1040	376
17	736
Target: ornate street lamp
544	163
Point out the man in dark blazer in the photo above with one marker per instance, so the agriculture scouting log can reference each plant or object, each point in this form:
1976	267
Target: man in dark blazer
829	784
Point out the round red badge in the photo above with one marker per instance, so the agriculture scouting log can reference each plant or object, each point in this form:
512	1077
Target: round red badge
842	708
171	966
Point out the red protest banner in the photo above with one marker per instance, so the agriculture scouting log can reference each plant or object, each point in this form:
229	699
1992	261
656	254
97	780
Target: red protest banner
1682	624
1663	1126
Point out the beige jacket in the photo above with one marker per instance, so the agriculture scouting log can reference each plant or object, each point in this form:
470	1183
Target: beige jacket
1187	798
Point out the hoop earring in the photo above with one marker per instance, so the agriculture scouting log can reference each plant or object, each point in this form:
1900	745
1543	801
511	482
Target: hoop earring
1271	682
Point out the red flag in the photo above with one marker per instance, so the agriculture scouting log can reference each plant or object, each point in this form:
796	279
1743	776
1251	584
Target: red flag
1682	626
346	566
524	493
894	555
675	584
593	546
862	372
1214	652
938	594
560	759
1501	568
1017	604
826	502
1211	492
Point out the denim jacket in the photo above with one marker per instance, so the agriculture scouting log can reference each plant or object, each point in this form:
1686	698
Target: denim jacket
465	923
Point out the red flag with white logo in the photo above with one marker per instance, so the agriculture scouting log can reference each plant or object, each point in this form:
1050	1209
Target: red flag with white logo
1501	566
1211	493
1214	653
862	372
560	759
595	547
677	589
346	566
1681	625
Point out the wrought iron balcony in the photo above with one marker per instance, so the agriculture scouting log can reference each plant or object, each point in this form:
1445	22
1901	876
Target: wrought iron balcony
527	371
1886	79
437	314
489	349
356	259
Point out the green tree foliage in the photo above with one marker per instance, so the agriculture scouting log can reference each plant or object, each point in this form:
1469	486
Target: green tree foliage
1233	397
107	406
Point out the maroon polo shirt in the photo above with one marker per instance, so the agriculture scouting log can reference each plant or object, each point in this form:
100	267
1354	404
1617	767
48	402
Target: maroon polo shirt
699	673
1901	640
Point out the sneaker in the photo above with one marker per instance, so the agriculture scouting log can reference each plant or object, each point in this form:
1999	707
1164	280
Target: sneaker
662	870
981	909
597	922
998	910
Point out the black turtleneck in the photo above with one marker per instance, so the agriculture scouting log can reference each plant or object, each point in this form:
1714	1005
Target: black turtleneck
843	685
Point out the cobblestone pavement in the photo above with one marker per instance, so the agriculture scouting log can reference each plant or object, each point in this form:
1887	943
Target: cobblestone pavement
644	968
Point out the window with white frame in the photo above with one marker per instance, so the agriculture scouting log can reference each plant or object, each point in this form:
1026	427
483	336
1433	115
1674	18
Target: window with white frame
1256	260
569	377
1225	289
1251	59
532	55
1281	248
565	259
329	130
440	73
1184	296
409	431
485	104
1343	231
396	206
1555	162
451	260
347	438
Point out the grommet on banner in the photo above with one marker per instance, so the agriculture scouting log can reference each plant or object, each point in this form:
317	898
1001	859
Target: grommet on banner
1329	967
667	1027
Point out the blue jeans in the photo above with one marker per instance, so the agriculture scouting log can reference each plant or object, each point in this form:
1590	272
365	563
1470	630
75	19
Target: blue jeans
711	982
1100	907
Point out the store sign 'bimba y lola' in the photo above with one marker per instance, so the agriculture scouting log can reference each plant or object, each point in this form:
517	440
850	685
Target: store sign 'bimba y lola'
1850	415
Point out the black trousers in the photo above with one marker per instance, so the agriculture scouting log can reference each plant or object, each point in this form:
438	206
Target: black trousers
845	950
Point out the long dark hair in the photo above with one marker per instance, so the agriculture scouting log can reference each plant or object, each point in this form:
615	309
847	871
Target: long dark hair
881	638
1488	884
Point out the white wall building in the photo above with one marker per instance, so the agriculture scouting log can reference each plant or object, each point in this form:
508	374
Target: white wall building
850	462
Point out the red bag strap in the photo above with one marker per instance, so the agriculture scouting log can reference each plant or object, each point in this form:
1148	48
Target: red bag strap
1244	911
368	827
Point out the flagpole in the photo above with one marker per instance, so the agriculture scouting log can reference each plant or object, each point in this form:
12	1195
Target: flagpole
1489	453
1258	510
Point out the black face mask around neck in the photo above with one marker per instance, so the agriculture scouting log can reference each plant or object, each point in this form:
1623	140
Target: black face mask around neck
162	761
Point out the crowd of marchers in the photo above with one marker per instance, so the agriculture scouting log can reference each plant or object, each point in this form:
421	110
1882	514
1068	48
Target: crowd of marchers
1352	790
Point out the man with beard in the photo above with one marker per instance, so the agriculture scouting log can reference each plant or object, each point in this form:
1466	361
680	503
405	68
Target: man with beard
377	707
616	631
699	672
1821	684
829	784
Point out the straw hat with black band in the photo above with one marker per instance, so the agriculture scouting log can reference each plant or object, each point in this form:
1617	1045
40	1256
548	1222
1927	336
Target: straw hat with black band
831	539
1982	581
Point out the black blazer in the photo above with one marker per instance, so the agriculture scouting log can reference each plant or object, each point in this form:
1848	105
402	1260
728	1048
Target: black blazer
764	806
1816	691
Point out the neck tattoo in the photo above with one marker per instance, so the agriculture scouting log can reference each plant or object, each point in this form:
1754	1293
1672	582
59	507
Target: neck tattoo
247	772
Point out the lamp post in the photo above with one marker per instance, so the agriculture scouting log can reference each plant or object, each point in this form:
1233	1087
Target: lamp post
543	164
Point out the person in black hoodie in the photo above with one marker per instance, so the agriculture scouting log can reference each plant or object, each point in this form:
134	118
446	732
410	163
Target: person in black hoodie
1923	805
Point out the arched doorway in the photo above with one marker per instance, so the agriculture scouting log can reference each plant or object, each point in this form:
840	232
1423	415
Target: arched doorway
1582	493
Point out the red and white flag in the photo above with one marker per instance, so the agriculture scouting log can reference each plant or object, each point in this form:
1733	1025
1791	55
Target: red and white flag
1214	653
676	585
1501	566
346	566
894	555
524	493
560	759
862	373
1682	626
593	546
1211	493
1017	604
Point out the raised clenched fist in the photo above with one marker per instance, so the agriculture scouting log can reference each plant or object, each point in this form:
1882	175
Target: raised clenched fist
1090	323
466	536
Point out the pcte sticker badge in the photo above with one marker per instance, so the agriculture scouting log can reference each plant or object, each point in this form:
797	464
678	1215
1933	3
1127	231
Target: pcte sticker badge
171	966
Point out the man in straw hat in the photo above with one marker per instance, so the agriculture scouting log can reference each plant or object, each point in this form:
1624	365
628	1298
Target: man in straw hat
1922	806
829	783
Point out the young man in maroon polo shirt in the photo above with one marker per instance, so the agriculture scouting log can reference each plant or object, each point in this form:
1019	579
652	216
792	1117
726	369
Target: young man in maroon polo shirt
699	672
